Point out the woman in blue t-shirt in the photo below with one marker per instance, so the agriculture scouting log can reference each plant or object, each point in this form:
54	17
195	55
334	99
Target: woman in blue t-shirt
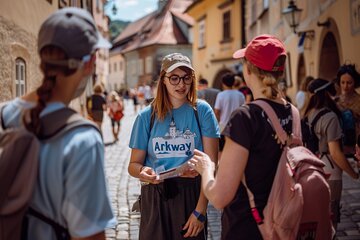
163	139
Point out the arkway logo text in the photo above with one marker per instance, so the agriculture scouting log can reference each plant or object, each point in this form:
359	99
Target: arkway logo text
166	147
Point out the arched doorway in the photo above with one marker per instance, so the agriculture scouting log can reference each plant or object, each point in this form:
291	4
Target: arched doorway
301	71
329	57
218	77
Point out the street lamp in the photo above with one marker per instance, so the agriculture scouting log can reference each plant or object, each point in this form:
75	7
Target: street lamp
292	15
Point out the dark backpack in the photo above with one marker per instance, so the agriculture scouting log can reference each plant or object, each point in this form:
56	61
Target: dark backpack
19	153
310	140
348	127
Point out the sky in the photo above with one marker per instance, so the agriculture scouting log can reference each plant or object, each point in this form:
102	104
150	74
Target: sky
130	10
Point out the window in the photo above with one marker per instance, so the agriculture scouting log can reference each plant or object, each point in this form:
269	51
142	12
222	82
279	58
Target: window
109	67
148	65
202	33
115	67
20	82
140	67
121	66
253	12
265	4
226	25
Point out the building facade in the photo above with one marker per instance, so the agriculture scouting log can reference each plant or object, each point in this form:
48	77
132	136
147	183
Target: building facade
116	71
20	21
217	34
146	41
326	37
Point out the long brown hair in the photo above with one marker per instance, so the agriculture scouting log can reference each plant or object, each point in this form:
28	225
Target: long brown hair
270	79
161	102
44	92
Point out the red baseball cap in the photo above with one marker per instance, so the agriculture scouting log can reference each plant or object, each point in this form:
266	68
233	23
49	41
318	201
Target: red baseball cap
263	51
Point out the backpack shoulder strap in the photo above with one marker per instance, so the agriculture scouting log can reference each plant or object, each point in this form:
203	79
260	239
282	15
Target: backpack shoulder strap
58	122
282	135
152	118
60	231
197	119
317	118
2	124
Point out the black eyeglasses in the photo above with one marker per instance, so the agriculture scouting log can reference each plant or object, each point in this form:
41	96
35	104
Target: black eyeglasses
175	79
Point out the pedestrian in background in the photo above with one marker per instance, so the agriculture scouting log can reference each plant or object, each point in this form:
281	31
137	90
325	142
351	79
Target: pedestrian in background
302	96
70	187
329	133
282	86
226	102
164	136
115	111
240	85
206	93
250	146
348	79
98	105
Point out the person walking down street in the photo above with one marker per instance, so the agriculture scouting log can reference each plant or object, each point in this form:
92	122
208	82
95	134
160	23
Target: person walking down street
250	143
70	187
282	86
146	92
115	110
240	84
329	133
303	96
206	93
348	78
226	102
98	105
164	137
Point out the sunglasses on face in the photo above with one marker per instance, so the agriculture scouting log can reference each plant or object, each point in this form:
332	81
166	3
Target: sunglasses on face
175	79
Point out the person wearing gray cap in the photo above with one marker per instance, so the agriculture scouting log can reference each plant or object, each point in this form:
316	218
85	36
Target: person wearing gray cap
164	137
70	188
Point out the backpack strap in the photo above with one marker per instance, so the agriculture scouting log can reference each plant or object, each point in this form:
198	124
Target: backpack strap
2	124
316	119
60	232
281	134
283	137
197	119
59	122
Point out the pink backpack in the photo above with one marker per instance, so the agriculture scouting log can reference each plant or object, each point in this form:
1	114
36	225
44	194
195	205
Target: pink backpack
299	202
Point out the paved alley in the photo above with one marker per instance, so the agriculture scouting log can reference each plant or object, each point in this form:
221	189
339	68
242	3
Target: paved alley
125	189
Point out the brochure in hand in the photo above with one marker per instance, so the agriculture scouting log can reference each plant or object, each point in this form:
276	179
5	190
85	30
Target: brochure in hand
173	172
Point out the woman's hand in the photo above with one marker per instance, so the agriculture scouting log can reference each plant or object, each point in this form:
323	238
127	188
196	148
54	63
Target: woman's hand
201	162
193	227
148	175
190	173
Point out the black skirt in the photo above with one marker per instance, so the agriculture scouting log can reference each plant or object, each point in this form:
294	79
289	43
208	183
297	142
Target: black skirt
167	206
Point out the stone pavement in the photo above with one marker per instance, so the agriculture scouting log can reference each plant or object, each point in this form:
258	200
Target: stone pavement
124	190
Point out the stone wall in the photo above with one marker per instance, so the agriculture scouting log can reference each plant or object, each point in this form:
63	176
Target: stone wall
15	43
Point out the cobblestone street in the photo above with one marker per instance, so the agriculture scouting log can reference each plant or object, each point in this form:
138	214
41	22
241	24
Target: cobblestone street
124	190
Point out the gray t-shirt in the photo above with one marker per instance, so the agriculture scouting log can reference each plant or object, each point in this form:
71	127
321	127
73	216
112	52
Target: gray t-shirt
209	95
327	129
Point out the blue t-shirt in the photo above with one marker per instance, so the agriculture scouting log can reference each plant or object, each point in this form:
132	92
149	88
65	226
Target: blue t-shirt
71	187
172	142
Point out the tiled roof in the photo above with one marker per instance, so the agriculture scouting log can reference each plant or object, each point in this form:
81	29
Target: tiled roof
156	27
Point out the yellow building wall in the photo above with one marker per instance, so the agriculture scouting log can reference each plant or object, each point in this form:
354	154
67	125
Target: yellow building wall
215	56
339	12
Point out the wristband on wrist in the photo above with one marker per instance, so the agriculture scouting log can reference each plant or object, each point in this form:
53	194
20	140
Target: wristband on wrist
199	216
